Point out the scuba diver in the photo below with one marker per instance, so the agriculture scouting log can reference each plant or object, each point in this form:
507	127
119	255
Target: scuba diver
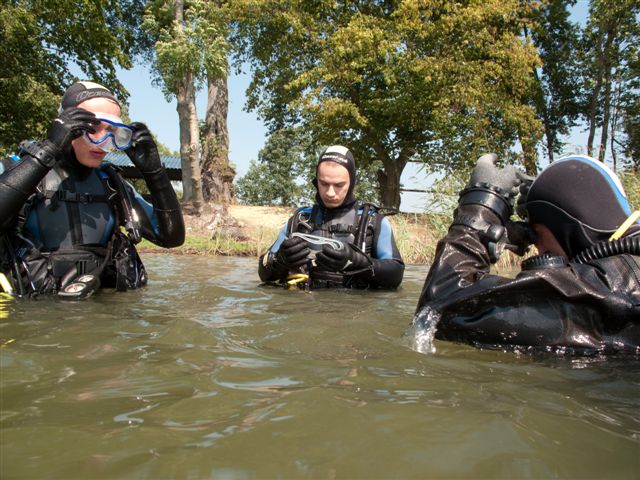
68	221
580	294
337	242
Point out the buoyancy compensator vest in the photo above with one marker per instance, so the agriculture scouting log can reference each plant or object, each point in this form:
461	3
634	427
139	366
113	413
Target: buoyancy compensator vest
69	230
355	226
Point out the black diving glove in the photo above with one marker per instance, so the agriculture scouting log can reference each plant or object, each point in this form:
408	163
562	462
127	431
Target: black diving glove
66	127
143	151
293	253
343	260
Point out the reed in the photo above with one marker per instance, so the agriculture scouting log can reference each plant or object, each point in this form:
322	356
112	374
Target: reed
416	235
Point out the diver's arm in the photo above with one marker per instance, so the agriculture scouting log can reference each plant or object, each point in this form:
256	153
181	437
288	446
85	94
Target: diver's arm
461	257
269	268
164	224
167	214
21	179
17	183
387	266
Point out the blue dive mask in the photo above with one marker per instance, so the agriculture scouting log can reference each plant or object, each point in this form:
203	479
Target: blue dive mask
110	134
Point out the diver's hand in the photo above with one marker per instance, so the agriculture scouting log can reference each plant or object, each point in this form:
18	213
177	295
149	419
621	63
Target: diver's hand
69	125
492	187
342	260
143	151
525	185
293	253
519	237
486	173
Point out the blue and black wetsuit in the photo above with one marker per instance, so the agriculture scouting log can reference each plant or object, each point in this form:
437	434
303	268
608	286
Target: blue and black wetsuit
60	222
372	235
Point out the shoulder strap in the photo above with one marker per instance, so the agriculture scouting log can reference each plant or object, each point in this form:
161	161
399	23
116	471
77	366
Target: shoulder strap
301	219
122	202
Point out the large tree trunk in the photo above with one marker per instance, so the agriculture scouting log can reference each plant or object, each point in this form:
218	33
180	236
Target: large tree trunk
217	173
607	94
389	178
189	134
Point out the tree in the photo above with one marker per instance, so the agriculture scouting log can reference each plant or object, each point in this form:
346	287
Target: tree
217	172
556	91
394	81
178	61
43	40
278	177
610	40
286	167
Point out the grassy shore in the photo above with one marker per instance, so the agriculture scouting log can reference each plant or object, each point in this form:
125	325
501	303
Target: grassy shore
416	236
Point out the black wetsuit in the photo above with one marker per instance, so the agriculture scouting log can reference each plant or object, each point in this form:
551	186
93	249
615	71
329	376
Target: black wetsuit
387	267
592	306
61	222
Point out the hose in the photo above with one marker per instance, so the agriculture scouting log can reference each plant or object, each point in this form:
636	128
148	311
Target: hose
606	248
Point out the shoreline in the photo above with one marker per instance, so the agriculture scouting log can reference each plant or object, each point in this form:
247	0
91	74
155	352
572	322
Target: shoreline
242	230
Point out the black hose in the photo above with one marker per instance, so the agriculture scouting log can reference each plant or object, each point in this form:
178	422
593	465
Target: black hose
606	248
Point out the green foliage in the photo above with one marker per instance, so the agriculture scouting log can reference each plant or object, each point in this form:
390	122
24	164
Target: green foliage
610	70
631	182
437	81
41	39
277	177
556	91
285	170
197	46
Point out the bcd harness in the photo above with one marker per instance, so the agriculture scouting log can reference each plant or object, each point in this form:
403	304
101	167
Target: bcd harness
356	226
117	264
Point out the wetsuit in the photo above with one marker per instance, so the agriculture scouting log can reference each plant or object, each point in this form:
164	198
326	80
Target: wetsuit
347	225
65	221
551	303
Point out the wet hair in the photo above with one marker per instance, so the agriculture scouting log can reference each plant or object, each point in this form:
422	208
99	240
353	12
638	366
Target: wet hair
580	200
82	91
342	156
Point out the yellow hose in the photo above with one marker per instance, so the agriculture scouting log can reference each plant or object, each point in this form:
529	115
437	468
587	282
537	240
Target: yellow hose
625	226
5	284
296	278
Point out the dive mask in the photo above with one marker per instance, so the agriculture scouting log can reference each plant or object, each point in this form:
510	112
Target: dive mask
110	134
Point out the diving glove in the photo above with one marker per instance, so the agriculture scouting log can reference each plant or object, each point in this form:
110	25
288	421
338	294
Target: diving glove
293	253
143	151
342	260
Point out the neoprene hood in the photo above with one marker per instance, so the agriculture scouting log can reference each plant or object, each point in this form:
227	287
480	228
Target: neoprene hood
580	200
82	91
342	156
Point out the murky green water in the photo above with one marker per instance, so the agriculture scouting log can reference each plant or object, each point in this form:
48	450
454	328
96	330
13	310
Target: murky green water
205	374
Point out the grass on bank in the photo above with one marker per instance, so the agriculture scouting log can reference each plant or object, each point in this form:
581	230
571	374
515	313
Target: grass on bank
416	236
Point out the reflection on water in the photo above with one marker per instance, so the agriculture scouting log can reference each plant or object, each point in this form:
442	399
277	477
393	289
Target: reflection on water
206	374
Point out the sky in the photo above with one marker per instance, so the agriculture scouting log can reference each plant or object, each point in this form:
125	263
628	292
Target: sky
247	133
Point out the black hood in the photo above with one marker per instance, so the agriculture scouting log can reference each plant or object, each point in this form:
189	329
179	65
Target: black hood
342	156
580	200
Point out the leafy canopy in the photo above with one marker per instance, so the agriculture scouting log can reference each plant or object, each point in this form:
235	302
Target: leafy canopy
42	40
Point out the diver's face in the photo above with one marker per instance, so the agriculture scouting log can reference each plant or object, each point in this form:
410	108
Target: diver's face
333	183
88	154
546	241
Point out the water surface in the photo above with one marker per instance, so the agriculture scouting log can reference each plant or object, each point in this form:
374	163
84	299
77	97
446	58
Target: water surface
206	374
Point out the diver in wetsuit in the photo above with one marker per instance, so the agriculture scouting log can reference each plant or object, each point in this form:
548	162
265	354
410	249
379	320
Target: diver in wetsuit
359	251
581	293
62	209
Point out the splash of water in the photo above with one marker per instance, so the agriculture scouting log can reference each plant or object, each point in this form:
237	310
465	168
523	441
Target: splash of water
422	330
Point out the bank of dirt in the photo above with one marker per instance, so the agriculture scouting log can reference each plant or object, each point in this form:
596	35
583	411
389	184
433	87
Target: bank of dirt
249	230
